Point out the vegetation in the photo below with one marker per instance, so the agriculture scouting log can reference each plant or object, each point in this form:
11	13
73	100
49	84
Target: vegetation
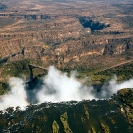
64	120
126	96
100	76
55	127
105	128
123	72
93	130
86	112
53	117
4	87
54	31
19	68
16	68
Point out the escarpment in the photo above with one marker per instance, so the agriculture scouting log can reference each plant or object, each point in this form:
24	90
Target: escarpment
66	36
90	51
59	48
99	47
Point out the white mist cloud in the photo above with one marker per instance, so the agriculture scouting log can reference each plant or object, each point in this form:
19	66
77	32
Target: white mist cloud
17	95
113	86
58	87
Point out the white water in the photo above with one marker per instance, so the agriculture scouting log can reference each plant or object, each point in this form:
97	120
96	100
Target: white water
59	87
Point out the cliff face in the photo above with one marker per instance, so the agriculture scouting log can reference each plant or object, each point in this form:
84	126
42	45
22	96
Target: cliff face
99	47
87	22
63	35
52	46
82	51
34	37
86	116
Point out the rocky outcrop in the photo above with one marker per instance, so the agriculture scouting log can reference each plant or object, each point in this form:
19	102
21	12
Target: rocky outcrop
80	52
87	22
59	34
98	47
43	46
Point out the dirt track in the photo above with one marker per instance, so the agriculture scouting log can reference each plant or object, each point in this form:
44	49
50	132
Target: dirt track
125	62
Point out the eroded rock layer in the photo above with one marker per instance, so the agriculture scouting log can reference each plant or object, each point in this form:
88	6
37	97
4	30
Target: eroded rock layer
67	33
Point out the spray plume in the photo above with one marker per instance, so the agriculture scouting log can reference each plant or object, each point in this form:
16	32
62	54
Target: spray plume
58	87
17	95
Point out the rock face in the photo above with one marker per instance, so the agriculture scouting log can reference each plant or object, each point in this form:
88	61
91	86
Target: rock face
35	45
61	36
88	23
